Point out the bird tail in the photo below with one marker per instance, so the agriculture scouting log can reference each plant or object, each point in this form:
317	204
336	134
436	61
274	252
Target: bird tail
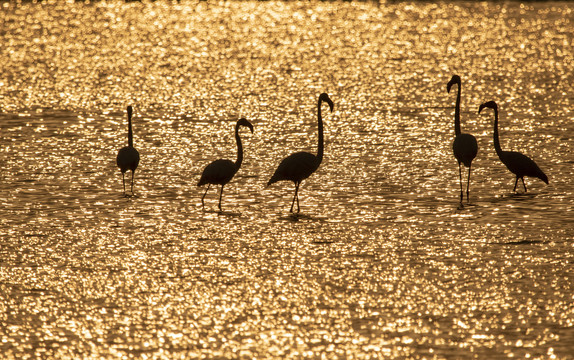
273	180
539	174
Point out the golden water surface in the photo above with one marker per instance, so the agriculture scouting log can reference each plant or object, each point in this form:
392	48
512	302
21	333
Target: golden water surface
382	262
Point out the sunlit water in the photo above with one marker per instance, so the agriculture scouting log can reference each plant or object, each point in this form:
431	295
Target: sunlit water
382	261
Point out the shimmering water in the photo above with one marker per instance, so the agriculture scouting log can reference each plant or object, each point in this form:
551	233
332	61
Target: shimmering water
381	263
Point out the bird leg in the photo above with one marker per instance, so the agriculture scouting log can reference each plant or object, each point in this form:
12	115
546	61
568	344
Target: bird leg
468	186
203	197
298	209
515	183
295	196
124	182
460	181
220	194
523	184
133	173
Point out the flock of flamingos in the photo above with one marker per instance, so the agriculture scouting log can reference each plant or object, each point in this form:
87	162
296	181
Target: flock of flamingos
300	165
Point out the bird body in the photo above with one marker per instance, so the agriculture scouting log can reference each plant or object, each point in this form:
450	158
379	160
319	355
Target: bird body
519	164
128	157
296	167
299	166
464	146
220	172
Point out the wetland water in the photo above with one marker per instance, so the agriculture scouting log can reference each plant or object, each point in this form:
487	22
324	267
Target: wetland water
381	263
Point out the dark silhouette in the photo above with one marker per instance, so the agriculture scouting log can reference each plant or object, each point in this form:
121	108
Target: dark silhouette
221	171
299	166
464	146
128	157
521	165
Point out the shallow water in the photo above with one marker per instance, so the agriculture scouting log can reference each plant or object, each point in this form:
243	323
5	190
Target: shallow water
382	262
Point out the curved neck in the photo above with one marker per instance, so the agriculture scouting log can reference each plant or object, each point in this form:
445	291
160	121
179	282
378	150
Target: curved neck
320	130
239	149
495	137
457	112
130	133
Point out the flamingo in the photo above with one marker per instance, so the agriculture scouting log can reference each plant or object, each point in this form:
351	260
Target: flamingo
299	166
221	171
464	146
128	157
518	163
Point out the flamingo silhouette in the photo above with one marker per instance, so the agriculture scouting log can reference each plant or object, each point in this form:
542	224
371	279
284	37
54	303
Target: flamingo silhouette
221	171
299	166
128	157
464	146
518	163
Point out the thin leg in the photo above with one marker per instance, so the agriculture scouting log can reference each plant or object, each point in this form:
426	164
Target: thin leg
515	183
294	196
220	194
460	180
298	209
124	181
523	184
133	173
203	197
468	186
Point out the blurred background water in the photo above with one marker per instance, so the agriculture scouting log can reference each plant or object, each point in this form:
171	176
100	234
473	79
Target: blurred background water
381	263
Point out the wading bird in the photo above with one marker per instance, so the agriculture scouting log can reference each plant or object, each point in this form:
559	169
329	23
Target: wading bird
221	171
519	164
464	146
299	166
128	157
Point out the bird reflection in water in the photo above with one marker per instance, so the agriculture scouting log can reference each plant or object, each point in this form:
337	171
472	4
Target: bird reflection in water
128	157
519	164
300	165
221	171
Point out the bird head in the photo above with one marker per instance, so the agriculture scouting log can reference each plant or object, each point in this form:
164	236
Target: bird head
488	104
325	97
244	122
454	80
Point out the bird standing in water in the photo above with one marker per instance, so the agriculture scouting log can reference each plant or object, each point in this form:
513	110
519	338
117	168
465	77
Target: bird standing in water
128	157
299	166
519	164
221	171
464	146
